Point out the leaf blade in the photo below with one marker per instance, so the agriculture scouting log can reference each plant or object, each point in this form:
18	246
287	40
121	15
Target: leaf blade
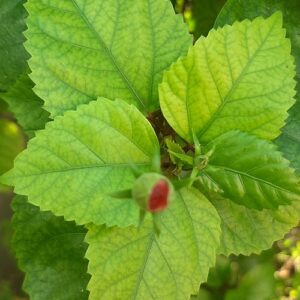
26	106
215	88
51	252
83	157
171	263
12	52
251	172
97	52
288	142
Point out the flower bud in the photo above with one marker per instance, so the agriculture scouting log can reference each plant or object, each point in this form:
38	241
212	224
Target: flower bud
152	192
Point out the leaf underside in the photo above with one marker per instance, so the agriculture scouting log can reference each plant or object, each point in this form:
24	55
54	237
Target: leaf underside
238	78
137	264
95	51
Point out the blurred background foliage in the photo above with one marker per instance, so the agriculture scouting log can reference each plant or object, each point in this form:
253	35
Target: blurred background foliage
12	141
275	274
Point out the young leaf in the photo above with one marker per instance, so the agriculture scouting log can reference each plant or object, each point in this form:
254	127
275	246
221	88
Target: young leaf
84	157
239	77
137	264
12	53
51	252
11	143
174	149
289	141
251	172
26	106
112	48
246	231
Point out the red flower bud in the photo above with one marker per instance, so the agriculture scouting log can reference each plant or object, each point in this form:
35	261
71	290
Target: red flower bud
152	192
159	196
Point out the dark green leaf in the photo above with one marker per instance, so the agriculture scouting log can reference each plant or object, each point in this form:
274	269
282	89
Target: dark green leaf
26	106
203	15
12	53
51	252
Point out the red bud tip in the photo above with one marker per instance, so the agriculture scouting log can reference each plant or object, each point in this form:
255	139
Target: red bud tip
159	197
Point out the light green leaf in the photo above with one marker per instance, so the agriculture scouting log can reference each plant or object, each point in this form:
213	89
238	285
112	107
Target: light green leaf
251	171
246	231
177	155
26	106
12	53
136	264
114	49
239	77
11	144
51	252
83	157
289	141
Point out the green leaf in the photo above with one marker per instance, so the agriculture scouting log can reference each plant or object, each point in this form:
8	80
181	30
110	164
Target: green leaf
246	231
51	252
203	15
251	171
173	148
114	49
83	157
239	77
177	155
289	141
26	106
11	143
137	264
12	53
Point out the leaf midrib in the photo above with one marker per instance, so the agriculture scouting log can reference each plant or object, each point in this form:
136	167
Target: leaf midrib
143	268
109	53
111	165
